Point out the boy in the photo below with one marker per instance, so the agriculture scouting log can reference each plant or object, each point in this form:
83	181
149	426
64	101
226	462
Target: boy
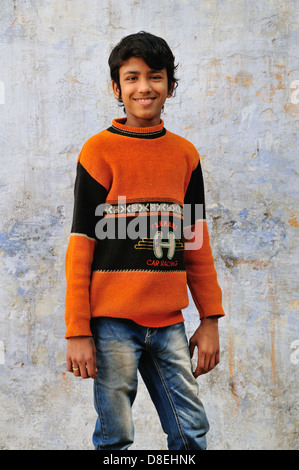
127	267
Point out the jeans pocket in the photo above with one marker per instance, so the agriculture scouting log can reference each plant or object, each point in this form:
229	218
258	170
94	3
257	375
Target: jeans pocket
111	329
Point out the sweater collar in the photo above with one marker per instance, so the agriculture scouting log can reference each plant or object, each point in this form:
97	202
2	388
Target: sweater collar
119	127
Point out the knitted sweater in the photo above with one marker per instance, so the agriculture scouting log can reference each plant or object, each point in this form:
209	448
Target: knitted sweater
131	253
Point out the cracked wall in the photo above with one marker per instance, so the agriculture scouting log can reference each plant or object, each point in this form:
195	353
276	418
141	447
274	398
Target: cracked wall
238	102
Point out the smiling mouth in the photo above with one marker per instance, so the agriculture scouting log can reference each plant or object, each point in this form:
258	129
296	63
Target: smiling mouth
145	100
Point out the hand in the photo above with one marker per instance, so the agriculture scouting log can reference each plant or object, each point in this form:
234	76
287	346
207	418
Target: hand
81	357
206	339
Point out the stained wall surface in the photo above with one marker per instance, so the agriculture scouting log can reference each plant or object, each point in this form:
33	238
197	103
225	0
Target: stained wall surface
238	102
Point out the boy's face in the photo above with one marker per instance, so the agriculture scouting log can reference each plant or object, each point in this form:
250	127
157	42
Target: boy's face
143	92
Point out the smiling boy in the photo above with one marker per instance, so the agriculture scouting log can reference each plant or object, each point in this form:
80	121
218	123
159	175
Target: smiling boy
125	295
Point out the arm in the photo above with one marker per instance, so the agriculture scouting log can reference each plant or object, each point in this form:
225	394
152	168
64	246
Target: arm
202	277
88	192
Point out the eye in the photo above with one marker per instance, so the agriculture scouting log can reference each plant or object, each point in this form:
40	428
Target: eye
156	77
131	78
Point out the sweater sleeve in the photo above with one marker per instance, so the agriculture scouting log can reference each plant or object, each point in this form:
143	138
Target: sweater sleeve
199	262
88	194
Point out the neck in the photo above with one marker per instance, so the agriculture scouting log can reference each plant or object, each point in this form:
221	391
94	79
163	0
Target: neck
142	122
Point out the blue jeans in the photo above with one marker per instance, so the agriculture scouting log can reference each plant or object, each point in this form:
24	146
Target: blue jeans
163	359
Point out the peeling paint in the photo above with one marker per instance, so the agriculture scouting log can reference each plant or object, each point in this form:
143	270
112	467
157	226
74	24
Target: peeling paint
293	220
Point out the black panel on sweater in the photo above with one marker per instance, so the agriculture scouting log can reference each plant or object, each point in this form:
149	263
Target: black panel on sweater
88	195
194	202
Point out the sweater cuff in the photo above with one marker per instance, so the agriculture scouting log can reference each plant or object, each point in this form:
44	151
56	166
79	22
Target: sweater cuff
214	309
78	329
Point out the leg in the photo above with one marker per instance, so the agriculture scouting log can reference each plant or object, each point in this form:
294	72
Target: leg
167	372
116	386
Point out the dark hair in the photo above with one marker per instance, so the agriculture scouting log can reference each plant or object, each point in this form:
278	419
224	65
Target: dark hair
152	49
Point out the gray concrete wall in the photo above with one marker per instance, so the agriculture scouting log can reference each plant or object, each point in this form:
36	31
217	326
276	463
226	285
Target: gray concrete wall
238	102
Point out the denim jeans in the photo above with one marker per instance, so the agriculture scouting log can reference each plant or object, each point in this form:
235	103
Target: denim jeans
163	359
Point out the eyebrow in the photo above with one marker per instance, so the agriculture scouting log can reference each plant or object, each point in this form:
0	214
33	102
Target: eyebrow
138	73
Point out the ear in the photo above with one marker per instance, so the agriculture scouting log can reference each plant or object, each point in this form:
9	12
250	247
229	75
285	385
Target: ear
116	90
170	92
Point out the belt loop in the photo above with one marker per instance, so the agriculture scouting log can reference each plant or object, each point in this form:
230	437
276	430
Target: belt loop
149	332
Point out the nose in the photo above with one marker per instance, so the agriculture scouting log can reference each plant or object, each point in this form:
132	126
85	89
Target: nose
144	85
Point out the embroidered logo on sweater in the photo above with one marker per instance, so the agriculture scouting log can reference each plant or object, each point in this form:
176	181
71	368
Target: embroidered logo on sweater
157	244
160	247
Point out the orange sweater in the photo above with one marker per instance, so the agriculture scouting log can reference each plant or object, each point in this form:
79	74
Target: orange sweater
130	254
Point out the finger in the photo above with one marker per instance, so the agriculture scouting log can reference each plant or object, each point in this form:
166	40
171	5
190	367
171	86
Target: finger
198	372
209	364
69	367
91	371
76	370
92	366
200	365
83	371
